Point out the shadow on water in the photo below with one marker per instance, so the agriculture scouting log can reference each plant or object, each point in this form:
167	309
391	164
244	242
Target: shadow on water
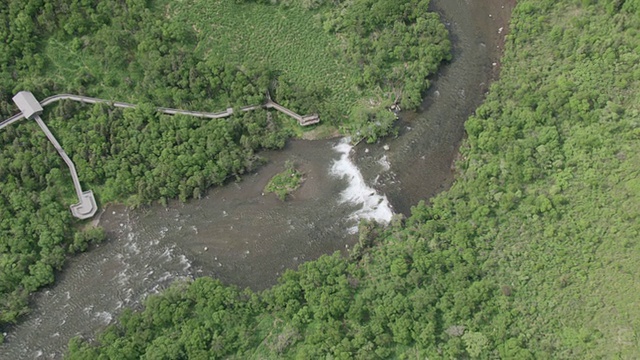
237	234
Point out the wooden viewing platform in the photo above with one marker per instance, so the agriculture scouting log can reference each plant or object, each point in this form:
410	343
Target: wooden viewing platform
31	109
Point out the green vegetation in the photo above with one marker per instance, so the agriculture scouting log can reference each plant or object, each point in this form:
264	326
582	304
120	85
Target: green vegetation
286	182
136	155
533	253
285	39
346	61
152	53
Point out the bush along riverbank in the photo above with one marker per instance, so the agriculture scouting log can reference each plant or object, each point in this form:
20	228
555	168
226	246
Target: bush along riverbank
531	253
144	52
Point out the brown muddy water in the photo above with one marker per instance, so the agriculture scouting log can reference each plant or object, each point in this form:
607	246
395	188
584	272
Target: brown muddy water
237	234
419	162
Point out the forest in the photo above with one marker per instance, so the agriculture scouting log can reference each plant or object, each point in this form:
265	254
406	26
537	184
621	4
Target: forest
143	52
533	252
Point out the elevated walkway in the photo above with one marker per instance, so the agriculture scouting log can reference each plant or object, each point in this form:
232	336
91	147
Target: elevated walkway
302	120
31	108
210	115
86	207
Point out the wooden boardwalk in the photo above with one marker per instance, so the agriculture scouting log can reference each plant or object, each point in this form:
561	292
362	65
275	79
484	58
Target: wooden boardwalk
302	120
270	104
86	206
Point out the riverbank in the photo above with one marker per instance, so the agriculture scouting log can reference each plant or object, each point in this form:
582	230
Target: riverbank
233	269
500	14
530	254
422	157
148	54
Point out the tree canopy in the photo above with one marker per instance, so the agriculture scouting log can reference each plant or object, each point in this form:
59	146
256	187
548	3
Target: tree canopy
531	254
144	52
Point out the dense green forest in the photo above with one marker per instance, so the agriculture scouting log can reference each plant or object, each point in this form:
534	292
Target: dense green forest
144	52
533	252
348	61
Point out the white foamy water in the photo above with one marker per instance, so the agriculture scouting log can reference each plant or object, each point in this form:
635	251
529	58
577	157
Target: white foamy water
96	285
104	316
373	206
384	162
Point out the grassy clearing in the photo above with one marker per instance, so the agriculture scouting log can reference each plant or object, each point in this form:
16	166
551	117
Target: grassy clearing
68	63
289	40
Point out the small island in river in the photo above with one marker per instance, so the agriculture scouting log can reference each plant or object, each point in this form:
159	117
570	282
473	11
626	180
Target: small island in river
286	182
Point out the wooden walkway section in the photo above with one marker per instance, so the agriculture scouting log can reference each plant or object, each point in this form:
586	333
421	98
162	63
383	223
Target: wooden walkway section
86	206
302	120
270	104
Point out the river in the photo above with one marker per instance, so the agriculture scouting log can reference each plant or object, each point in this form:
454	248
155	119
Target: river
247	238
419	161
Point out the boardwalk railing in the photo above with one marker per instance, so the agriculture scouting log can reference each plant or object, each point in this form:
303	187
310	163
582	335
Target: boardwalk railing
302	120
86	206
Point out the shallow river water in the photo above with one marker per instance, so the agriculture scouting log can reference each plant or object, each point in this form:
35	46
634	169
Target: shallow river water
419	162
247	238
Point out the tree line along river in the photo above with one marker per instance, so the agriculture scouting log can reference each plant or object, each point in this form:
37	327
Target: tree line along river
243	237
